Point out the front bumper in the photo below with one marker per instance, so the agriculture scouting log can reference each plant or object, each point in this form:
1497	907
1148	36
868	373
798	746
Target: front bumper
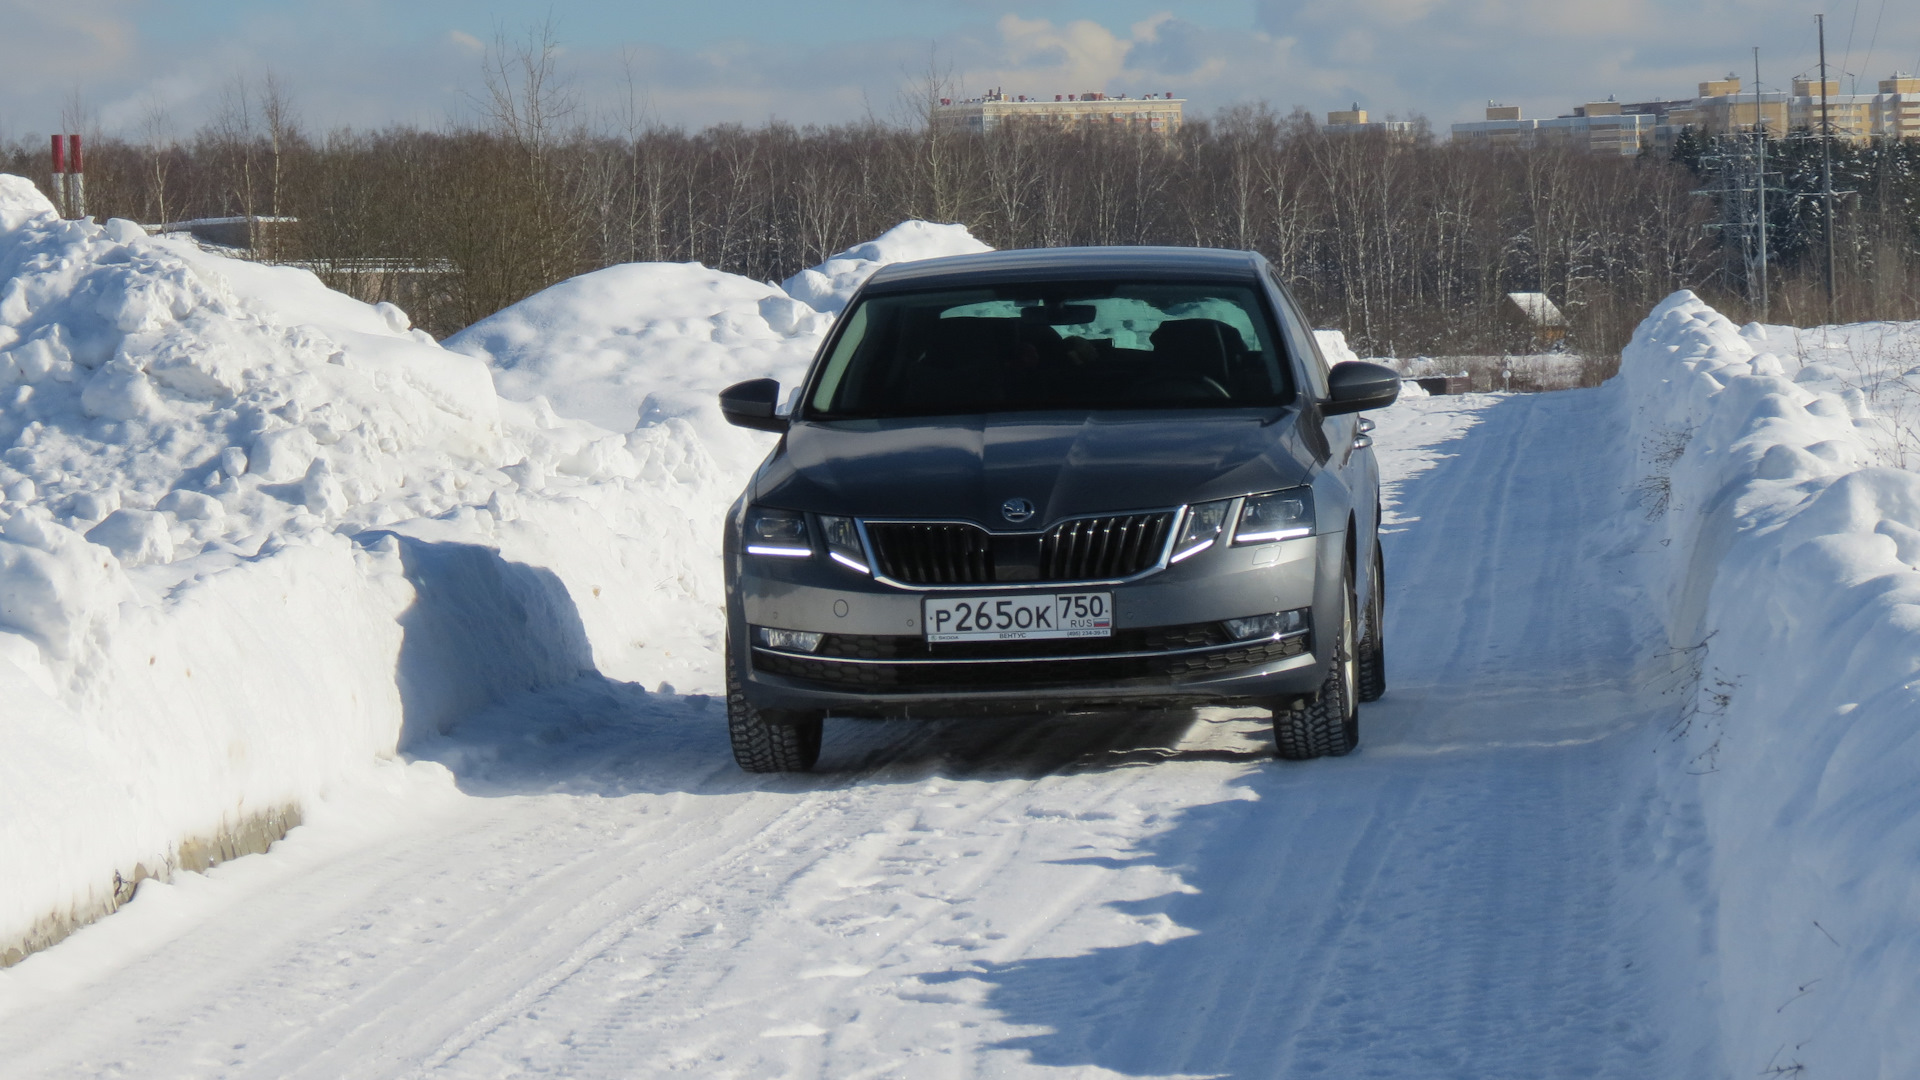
1168	648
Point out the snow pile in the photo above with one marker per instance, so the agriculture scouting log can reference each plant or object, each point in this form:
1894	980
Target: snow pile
642	342
645	342
1787	547
830	285
1334	347
255	533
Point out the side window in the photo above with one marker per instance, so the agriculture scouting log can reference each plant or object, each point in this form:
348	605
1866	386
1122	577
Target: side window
1300	342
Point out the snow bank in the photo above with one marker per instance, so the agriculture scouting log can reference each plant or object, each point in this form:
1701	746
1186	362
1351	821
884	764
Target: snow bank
254	534
1333	346
1786	549
830	285
644	342
639	343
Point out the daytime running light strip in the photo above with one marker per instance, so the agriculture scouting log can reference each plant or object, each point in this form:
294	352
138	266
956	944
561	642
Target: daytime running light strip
1192	551
1276	534
853	564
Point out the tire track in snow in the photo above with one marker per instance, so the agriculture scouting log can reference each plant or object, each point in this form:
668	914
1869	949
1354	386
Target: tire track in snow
1144	897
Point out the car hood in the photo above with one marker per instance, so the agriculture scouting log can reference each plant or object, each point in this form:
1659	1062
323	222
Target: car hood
966	467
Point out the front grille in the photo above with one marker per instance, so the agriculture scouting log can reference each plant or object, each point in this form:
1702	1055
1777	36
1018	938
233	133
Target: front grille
932	554
1103	547
956	553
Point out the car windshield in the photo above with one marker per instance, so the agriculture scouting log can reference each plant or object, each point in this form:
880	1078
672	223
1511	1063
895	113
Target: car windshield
1097	345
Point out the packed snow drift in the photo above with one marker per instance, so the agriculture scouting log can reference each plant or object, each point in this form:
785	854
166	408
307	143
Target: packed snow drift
257	534
1785	536
830	285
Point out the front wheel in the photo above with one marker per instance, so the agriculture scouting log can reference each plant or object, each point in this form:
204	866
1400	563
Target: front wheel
1329	725
765	742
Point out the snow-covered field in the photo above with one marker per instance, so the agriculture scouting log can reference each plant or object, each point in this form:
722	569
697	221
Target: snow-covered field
1638	803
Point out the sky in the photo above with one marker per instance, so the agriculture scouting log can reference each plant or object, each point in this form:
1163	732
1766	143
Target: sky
144	66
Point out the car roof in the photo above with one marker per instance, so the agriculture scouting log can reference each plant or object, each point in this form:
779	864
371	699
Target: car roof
1067	263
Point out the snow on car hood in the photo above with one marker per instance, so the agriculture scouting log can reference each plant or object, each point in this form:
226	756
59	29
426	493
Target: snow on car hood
966	466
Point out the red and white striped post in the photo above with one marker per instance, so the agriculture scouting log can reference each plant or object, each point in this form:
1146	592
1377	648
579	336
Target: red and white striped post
58	192
76	179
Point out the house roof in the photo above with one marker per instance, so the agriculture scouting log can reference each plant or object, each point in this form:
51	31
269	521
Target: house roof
1539	310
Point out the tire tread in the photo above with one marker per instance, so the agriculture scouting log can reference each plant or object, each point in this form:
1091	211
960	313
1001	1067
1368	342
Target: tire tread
762	746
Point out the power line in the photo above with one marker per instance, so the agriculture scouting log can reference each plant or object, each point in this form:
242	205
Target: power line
1846	54
1826	160
1875	39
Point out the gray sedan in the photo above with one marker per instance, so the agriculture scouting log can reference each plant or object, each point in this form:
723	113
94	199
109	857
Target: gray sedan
1053	480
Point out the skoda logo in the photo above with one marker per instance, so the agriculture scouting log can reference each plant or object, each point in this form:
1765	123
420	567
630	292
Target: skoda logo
1016	510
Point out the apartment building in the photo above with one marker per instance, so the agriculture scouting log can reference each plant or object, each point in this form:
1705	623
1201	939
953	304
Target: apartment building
1157	113
1896	108
1598	127
1721	106
1354	122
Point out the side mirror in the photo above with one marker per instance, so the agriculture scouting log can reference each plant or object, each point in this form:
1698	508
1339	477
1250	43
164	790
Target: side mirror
750	404
1357	386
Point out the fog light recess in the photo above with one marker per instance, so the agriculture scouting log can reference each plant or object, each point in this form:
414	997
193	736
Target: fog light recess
791	640
1267	626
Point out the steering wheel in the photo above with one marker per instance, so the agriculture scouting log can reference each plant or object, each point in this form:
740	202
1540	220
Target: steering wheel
1185	387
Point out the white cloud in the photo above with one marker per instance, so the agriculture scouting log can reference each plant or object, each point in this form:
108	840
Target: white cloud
347	62
63	39
1443	58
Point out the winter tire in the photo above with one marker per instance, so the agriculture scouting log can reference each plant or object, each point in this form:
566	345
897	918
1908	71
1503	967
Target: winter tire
769	743
1329	725
1373	646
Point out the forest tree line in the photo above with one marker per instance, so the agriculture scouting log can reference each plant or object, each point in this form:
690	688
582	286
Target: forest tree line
1408	245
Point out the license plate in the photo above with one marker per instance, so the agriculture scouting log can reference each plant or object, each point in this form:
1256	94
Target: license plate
1026	617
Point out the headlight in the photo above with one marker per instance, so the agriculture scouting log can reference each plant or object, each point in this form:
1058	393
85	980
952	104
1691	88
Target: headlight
843	543
1280	515
1204	523
781	533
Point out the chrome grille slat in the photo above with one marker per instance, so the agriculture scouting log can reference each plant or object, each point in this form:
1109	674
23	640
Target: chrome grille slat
958	553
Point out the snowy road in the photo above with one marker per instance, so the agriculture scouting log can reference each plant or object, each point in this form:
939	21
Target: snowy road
1478	892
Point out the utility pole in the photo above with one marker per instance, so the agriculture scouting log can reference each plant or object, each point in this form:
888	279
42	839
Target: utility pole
1826	160
1760	175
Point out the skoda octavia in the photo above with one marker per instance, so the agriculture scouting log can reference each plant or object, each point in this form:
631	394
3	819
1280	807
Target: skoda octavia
1059	480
